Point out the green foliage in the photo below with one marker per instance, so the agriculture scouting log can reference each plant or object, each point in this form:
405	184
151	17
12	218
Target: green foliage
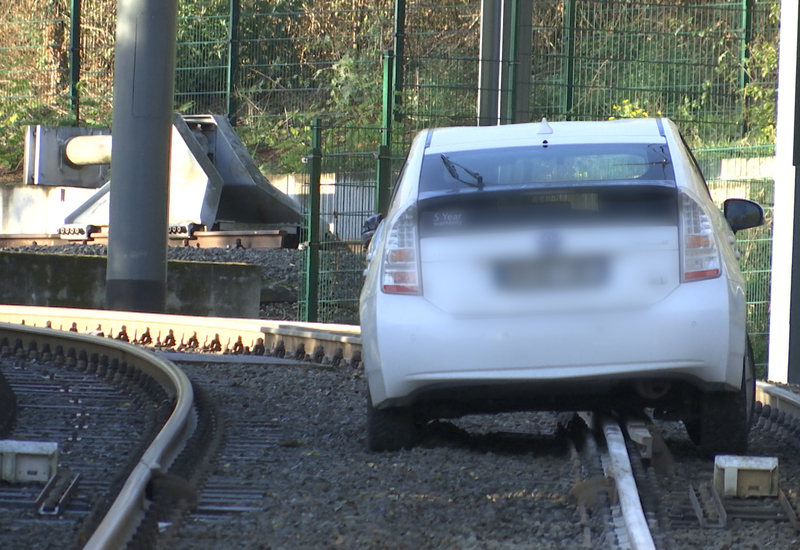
24	106
759	92
298	59
277	145
629	110
21	107
355	87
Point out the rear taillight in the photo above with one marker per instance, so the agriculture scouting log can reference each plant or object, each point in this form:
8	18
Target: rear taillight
400	268
699	253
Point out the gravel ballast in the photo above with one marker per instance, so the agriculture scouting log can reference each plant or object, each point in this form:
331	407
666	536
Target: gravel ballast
468	485
465	486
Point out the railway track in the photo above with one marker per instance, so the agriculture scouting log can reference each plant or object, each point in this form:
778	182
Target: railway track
318	342
269	238
117	414
285	463
98	424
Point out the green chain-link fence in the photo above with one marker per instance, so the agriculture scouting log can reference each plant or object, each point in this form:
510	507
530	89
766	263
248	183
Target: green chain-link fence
747	172
275	66
340	195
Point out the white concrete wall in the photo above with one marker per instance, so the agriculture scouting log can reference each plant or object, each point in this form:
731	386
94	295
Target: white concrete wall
38	209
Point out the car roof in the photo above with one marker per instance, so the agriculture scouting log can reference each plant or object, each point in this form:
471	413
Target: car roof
564	132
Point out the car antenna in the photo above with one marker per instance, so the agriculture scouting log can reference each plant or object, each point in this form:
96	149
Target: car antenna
544	127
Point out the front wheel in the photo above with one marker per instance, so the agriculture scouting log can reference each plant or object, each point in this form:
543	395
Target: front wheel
390	429
724	423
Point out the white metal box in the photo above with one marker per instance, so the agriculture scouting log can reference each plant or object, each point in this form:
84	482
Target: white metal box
746	476
25	461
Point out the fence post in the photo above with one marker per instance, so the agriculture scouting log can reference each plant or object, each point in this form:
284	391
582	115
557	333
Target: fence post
312	250
505	59
569	76
383	188
399	45
233	59
75	58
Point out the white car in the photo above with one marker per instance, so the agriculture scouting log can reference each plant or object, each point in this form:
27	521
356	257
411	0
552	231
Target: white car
556	266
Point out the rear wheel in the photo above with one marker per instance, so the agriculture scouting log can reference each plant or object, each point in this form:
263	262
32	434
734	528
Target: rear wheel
390	429
724	422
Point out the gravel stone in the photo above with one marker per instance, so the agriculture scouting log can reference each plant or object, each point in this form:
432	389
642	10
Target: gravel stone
472	483
693	468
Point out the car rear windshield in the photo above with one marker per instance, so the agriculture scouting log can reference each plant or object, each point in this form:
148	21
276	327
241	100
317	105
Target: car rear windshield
503	208
546	166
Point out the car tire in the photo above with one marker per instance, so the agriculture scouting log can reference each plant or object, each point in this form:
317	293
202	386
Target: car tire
390	429
725	417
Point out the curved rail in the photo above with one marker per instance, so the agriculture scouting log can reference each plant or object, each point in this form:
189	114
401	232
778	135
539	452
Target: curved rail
127	510
778	398
228	330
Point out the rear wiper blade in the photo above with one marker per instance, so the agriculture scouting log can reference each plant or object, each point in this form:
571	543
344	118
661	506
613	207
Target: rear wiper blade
453	171
663	162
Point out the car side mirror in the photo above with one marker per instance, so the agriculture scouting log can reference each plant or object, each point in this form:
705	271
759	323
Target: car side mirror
369	227
743	214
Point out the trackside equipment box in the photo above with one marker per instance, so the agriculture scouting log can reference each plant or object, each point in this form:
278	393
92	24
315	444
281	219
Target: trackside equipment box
25	461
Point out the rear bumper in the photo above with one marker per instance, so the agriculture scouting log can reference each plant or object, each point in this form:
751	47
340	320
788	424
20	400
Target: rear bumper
412	349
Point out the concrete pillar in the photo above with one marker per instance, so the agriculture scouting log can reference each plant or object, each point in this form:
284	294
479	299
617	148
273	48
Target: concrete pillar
505	62
144	72
522	73
784	337
489	64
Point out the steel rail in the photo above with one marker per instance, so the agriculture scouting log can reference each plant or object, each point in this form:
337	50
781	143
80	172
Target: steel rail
128	508
257	239
636	524
229	330
778	398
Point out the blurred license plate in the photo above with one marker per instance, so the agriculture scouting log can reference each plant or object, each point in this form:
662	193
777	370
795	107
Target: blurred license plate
552	273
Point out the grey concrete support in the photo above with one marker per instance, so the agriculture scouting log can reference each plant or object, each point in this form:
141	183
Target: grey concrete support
784	338
144	72
522	72
488	67
505	62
